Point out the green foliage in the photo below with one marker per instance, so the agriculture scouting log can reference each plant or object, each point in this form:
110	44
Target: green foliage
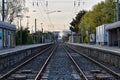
13	8
74	24
23	36
102	13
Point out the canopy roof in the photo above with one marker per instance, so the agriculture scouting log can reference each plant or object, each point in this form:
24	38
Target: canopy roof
113	25
7	25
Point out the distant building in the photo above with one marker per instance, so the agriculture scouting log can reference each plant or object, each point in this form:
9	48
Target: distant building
7	35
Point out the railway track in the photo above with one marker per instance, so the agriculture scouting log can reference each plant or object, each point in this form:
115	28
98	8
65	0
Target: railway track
60	67
31	68
60	63
90	69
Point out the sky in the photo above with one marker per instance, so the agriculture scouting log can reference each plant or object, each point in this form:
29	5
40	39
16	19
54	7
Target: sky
55	15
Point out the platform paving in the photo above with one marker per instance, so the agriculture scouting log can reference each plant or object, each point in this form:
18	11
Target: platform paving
112	49
18	48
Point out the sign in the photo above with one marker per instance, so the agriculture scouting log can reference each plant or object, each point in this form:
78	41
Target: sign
1	38
8	38
92	37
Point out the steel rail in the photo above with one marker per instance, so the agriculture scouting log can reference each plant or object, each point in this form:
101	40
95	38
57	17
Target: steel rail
21	65
80	72
38	76
116	75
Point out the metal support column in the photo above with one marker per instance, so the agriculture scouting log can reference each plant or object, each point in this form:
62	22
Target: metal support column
3	10
117	9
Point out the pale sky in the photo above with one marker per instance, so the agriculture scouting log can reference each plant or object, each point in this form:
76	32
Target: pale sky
52	20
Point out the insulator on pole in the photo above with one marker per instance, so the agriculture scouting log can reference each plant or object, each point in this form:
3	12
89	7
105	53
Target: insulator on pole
78	3
37	4
46	3
33	3
74	3
83	3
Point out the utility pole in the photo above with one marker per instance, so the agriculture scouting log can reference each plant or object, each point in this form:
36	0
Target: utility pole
35	29
117	9
35	24
3	10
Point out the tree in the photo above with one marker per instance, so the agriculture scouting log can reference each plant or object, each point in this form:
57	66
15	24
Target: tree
74	24
23	36
102	13
13	8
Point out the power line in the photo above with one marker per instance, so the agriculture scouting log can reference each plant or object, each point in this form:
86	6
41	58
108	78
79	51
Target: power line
45	9
36	4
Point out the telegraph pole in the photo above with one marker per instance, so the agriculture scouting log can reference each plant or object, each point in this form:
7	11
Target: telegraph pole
3	10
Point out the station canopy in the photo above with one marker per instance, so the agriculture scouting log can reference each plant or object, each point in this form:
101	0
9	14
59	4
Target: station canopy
6	25
113	25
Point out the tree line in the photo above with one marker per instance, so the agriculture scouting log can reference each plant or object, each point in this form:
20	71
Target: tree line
86	22
23	36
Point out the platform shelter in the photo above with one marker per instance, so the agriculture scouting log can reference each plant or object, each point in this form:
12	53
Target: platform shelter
7	35
114	34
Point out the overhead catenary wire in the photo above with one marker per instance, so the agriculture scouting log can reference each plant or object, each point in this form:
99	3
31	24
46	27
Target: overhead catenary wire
46	17
46	10
42	17
43	6
34	4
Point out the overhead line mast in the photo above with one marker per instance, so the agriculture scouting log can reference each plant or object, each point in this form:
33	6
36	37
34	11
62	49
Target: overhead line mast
3	10
117	9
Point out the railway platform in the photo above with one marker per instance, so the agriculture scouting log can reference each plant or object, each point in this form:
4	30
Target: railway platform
112	49
19	48
11	56
107	54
